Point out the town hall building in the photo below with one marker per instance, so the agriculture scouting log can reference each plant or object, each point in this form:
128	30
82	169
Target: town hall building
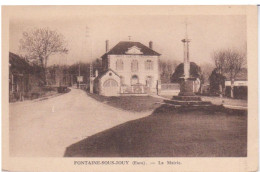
129	68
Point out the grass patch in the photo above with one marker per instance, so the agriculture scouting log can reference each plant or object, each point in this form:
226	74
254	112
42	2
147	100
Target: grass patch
170	133
130	103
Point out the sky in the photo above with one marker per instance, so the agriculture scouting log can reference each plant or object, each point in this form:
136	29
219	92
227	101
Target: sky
85	35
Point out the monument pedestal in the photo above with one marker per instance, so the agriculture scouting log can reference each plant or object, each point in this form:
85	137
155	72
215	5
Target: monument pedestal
187	97
186	91
186	88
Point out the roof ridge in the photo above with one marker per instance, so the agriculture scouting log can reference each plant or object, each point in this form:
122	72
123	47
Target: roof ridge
121	47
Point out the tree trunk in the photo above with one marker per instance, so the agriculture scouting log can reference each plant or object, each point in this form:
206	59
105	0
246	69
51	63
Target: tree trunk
220	90
232	92
201	89
44	66
44	76
232	88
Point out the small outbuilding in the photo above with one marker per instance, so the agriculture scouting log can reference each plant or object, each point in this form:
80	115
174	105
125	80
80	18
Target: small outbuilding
107	83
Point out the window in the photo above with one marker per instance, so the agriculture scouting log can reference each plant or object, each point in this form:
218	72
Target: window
149	65
149	81
134	66
122	80
110	83
119	64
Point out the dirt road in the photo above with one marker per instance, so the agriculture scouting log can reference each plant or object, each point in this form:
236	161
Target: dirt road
45	128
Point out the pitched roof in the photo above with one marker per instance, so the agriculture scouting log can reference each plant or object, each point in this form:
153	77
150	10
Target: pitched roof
104	72
123	46
18	64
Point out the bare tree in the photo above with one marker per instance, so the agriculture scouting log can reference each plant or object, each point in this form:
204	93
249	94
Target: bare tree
167	68
230	62
39	44
206	70
235	61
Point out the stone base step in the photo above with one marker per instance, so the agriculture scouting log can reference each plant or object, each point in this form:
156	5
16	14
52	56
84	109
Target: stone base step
188	103
186	98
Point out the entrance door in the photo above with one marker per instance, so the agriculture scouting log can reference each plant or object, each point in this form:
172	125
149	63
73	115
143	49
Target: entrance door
110	88
134	80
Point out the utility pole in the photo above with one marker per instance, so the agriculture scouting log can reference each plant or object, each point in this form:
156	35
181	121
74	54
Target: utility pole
91	76
91	70
79	78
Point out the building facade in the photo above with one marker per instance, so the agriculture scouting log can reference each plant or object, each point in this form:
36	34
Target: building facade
136	65
240	85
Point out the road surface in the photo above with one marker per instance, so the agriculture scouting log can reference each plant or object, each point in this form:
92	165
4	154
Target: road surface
45	128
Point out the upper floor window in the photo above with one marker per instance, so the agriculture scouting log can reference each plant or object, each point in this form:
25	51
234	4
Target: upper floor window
149	65
134	66
119	64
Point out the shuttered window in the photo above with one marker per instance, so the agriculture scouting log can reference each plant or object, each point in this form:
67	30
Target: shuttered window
134	66
148	65
119	64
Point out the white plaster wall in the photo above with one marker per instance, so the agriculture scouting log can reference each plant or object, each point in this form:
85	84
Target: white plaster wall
106	77
142	73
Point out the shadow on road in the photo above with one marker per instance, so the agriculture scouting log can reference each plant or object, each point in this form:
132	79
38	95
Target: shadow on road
170	132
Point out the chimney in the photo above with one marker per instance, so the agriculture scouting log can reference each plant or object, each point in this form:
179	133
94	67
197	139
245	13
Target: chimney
151	44
107	46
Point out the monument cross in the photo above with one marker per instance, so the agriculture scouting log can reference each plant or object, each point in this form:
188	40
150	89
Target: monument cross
186	84
186	62
187	98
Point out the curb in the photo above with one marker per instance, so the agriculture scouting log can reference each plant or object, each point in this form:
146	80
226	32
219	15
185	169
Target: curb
227	106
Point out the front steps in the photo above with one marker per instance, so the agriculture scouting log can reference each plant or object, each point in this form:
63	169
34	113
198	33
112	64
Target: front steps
188	101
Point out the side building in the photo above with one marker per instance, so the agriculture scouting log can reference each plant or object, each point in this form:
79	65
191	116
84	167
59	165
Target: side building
19	77
240	85
25	79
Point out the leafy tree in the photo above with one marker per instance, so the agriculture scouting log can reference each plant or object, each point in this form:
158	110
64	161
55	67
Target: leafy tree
97	65
195	72
40	44
216	79
84	69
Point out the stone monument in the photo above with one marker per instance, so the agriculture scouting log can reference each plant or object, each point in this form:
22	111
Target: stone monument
186	84
187	96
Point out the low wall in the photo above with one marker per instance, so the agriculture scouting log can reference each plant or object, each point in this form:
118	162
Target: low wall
172	89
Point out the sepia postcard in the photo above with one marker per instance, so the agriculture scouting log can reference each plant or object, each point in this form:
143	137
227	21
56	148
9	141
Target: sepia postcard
129	88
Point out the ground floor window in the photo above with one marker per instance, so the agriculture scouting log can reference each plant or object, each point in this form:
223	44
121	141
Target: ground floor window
149	81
